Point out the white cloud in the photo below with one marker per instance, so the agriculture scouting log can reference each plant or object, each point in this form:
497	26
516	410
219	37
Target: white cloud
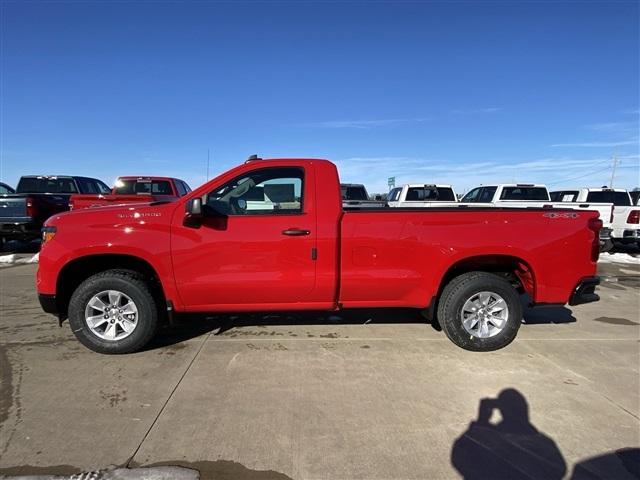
558	171
613	127
476	110
364	124
597	144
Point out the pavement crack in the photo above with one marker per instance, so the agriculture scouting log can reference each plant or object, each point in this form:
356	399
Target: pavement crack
164	405
621	407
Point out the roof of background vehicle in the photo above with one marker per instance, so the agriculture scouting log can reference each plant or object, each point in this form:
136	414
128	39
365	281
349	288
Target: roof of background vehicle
420	185
603	189
529	185
147	177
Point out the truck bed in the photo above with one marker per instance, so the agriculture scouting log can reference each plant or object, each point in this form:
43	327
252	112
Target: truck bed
422	245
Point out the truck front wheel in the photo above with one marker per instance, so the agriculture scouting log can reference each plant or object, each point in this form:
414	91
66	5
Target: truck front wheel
113	312
480	311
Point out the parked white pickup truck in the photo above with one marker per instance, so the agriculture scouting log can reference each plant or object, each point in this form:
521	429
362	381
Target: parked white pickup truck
422	196
625	225
529	195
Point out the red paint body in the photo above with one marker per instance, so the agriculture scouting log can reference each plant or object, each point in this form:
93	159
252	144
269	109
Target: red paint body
369	258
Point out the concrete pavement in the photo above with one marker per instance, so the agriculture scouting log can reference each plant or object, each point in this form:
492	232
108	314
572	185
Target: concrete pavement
370	395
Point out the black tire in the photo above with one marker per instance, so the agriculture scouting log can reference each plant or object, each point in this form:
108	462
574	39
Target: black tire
458	291
131	284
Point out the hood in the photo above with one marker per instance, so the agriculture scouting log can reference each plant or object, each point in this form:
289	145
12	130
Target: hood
117	214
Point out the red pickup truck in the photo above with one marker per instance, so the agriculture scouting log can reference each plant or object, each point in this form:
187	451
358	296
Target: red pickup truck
132	189
272	235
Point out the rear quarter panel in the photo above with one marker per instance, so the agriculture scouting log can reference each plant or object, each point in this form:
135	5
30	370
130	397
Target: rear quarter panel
399	258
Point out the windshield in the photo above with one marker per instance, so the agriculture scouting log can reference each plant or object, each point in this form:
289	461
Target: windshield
564	196
619	199
47	185
524	193
394	195
353	193
430	193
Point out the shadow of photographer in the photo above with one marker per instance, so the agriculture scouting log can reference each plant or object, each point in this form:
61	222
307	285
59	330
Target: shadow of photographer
509	448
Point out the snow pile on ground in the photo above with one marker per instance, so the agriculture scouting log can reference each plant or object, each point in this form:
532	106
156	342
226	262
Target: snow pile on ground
619	258
13	259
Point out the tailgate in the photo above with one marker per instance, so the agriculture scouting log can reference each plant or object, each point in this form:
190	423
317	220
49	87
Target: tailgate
12	208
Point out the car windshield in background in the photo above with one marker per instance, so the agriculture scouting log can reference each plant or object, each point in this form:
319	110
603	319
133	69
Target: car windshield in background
564	196
135	187
620	199
394	194
353	193
425	194
524	193
47	185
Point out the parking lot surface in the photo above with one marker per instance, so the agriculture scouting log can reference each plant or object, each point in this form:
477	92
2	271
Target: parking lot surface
367	395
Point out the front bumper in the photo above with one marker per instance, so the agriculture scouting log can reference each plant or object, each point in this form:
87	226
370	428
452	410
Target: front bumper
585	291
48	303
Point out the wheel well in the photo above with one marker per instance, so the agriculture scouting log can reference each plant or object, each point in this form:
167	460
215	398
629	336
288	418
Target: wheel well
78	270
513	269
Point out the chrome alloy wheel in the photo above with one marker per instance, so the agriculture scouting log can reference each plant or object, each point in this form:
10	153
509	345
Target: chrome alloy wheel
111	315
485	314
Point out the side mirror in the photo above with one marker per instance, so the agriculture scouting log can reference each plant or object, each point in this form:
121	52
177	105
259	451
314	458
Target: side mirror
193	214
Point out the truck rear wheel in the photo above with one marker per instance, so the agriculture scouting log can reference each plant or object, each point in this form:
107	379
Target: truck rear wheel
113	312
480	311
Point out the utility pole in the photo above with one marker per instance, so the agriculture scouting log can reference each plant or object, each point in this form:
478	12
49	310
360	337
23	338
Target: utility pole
613	170
208	164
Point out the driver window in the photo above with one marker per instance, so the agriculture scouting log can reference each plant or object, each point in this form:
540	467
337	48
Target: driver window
269	191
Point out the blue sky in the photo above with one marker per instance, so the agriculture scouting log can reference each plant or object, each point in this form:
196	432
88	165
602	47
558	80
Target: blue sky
450	92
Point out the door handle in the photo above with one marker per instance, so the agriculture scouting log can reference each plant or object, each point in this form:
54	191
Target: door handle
295	232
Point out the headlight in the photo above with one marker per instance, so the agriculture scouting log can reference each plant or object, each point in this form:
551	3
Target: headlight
48	233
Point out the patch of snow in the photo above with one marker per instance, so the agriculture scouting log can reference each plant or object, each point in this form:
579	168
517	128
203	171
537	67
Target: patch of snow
619	258
8	259
13	259
144	473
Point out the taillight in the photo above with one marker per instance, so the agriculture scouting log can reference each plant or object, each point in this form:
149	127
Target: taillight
634	216
611	217
595	225
31	209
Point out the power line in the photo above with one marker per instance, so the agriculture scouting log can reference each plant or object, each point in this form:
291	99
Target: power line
579	176
613	170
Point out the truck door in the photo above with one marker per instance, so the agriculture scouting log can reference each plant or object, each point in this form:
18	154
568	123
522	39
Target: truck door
255	244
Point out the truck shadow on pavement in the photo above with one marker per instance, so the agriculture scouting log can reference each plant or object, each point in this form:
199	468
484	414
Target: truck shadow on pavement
188	326
513	448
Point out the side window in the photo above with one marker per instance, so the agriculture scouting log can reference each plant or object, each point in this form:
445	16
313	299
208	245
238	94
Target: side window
268	191
180	188
487	194
472	196
102	187
86	185
185	186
